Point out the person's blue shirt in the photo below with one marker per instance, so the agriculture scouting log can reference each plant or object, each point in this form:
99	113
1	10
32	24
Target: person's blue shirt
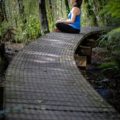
76	24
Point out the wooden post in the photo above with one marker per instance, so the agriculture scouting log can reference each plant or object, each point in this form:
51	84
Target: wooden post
85	51
43	16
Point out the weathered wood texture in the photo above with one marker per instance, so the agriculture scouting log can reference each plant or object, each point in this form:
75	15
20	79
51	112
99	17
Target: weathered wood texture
44	83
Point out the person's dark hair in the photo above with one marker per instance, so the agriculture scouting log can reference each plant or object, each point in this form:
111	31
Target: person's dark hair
78	3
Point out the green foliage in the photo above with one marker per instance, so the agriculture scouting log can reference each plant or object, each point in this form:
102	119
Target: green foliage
6	32
111	40
26	26
113	66
26	19
107	65
23	32
111	12
33	27
30	31
101	12
112	8
90	13
3	27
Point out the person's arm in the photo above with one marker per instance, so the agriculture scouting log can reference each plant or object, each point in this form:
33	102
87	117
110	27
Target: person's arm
73	17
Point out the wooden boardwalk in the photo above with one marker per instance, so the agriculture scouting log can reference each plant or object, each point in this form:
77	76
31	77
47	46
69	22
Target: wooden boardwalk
44	83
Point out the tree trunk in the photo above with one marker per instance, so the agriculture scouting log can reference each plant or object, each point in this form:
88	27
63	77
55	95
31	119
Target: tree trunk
61	8
96	8
21	10
51	14
50	4
43	16
2	11
90	14
67	7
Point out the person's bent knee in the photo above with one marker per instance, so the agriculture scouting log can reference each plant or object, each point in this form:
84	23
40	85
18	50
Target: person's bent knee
58	24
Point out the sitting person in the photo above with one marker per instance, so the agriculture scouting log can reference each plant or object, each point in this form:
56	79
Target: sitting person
72	24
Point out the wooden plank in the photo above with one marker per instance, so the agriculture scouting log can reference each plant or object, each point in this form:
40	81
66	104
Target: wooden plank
91	43
44	83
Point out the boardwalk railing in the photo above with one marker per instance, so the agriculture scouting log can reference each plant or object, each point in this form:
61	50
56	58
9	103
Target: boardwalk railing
44	83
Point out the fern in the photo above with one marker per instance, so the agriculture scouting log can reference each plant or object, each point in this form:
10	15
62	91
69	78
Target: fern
111	40
112	8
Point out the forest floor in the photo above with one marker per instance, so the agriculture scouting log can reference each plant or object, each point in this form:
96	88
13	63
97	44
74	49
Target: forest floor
11	49
106	84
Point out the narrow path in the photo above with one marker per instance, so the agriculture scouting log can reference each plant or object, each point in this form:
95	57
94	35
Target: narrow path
44	83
